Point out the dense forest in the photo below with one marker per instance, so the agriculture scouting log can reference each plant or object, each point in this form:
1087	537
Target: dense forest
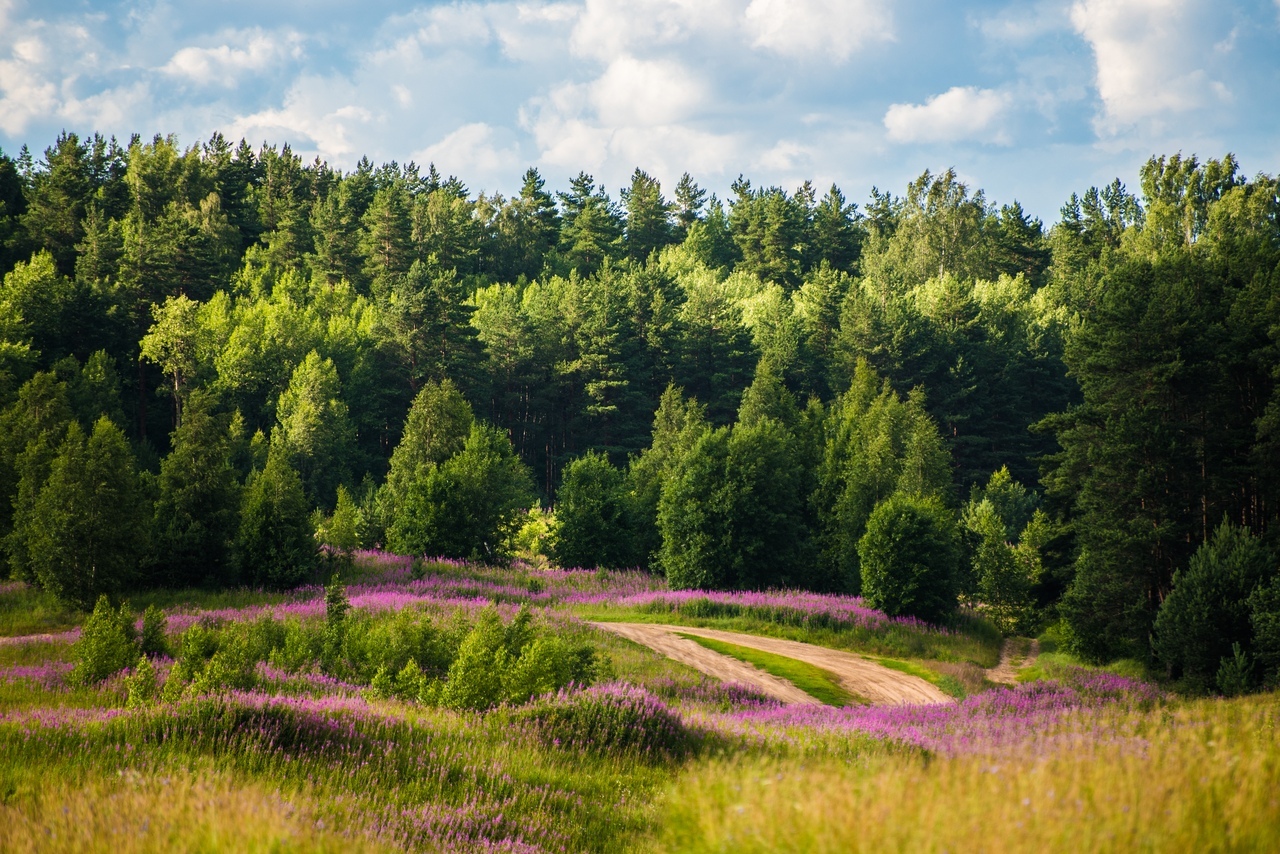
214	359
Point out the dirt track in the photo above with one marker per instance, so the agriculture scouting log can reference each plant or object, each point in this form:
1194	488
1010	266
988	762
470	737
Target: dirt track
856	674
1014	655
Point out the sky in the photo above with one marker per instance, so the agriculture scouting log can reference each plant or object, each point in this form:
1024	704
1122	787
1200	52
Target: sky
1026	100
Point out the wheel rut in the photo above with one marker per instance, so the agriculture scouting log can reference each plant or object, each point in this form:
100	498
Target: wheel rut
856	674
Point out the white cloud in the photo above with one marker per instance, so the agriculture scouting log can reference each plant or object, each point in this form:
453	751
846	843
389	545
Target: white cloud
320	114
607	28
960	113
804	28
244	53
645	92
25	94
472	153
1148	54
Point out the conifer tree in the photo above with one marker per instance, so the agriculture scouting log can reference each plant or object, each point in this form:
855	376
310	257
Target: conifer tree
275	544
88	527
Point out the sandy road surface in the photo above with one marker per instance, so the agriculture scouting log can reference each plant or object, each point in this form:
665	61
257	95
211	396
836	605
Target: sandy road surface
1011	661
856	674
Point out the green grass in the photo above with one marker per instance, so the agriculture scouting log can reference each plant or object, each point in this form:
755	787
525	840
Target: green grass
814	681
948	684
26	610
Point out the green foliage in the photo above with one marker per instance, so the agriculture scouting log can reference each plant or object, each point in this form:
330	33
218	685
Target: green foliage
106	644
878	445
909	557
532	543
511	664
141	685
154	640
732	511
470	505
197	506
436	429
84	529
1002	573
1206	617
275	546
341	531
1235	673
314	428
594	516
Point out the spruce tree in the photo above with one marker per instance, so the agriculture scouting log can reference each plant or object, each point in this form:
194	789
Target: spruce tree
197	509
88	528
275	545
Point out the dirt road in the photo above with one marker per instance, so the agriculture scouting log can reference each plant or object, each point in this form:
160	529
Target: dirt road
856	674
1015	654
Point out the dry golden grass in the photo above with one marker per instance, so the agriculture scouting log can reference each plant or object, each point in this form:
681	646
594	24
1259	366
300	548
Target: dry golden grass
133	813
1203	777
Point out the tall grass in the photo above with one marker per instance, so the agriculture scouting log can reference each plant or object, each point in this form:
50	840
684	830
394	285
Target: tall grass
1201	777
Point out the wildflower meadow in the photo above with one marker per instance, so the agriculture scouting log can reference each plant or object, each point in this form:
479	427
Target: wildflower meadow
435	705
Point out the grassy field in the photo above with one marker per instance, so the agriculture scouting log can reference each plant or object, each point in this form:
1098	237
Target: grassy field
448	710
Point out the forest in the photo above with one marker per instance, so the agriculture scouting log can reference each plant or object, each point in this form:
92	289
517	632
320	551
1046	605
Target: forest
222	367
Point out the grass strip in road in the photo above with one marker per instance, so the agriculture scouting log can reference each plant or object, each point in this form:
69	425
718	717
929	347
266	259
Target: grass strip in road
947	684
814	681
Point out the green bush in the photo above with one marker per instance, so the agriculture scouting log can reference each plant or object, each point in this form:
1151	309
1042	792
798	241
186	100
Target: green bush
909	557
106	645
141	685
1207	614
154	642
511	664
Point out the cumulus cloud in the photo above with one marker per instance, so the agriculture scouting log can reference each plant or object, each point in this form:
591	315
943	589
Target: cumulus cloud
321	114
472	152
25	91
960	113
243	53
1148	55
805	28
646	92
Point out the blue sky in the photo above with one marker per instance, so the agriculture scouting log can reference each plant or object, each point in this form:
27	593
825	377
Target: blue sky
1027	100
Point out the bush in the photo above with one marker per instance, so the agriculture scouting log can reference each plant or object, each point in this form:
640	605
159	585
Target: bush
106	645
616	718
593	516
1207	614
154	642
511	664
909	557
141	685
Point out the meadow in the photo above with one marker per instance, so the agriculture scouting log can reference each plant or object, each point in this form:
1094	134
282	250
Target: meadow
438	706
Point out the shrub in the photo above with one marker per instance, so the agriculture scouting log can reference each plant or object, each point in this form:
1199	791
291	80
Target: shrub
1207	613
593	516
511	664
1235	673
615	718
909	558
141	685
154	642
106	645
475	677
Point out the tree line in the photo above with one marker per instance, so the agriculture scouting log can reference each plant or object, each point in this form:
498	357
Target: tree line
209	355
